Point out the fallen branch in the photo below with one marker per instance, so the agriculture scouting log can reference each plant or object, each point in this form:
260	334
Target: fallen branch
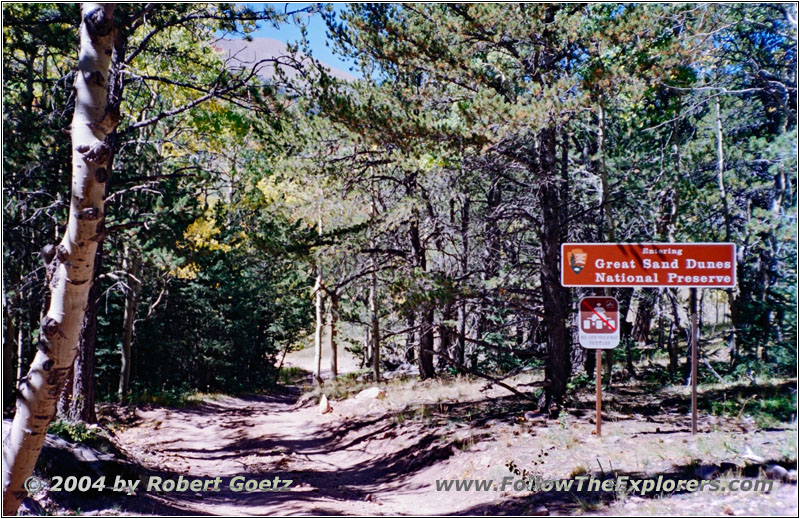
490	378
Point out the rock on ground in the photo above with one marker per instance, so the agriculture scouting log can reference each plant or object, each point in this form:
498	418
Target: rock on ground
371	394
324	406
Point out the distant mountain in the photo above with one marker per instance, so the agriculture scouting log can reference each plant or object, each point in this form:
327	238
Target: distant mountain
244	53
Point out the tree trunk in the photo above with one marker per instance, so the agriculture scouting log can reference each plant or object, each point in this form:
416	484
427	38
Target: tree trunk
461	347
74	261
446	335
555	296
723	194
644	316
319	315
318	311
78	399
608	231
366	359
373	298
375	336
424	334
131	265
425	341
9	346
334	312
491	256
79	395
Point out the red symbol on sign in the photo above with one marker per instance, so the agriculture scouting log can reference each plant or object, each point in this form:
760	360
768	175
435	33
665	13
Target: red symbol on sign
598	315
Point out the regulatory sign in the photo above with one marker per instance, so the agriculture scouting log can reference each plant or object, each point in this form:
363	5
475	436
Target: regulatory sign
598	323
705	265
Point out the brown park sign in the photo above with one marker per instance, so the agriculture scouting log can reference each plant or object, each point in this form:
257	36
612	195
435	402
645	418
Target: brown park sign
704	265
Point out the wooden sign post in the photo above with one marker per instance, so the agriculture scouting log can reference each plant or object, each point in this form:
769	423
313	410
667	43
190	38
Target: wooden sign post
692	265
598	392
598	329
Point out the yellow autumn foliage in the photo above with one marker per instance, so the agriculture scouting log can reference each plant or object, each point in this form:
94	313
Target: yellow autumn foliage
189	271
201	232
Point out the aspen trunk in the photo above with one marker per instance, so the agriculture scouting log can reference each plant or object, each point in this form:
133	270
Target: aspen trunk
319	304
608	219
334	347
131	266
723	194
318	311
78	398
73	265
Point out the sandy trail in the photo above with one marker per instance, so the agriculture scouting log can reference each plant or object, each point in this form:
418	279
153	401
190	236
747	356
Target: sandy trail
338	465
371	457
346	462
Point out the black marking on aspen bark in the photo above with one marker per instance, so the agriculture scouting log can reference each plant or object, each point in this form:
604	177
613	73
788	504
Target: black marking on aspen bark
90	213
101	175
99	237
97	24
61	253
43	345
109	121
83	148
47	364
48	253
41	416
77	282
98	153
50	327
56	378
96	78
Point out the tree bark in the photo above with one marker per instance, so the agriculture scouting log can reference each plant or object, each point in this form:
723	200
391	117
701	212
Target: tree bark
555	296
723	194
375	334
82	391
608	230
9	344
461	347
320	326
74	260
131	265
319	304
334	313
446	335
373	298
424	315
425	341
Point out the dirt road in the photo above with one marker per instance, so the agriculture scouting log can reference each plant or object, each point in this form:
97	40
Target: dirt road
351	465
383	457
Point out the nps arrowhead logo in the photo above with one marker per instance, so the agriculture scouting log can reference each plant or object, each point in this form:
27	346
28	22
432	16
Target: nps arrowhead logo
577	260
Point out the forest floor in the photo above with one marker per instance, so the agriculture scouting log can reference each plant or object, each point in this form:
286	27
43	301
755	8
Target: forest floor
383	456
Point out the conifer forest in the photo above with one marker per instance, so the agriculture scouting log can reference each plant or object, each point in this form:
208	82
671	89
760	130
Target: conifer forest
315	259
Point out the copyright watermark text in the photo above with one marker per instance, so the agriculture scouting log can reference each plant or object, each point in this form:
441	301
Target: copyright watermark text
156	484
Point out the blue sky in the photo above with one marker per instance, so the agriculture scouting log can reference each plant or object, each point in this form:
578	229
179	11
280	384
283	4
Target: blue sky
290	33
